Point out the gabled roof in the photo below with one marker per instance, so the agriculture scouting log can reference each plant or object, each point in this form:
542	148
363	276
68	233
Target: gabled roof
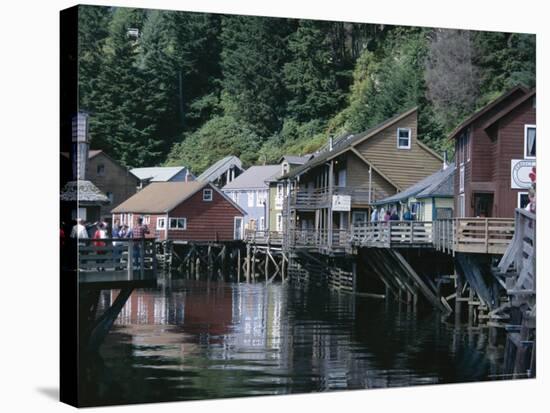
157	174
509	108
162	197
254	177
219	168
159	197
519	90
347	142
295	160
439	184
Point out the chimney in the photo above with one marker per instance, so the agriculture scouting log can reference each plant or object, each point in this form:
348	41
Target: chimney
445	165
330	141
80	145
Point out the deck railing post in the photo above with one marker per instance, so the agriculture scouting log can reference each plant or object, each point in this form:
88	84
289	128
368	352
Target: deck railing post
130	264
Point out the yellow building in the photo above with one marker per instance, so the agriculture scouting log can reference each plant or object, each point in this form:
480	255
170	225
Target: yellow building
427	200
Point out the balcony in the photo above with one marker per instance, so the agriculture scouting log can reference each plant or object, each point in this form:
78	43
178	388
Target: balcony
322	198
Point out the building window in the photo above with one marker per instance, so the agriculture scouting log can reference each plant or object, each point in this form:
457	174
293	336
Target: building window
207	195
262	224
279	222
250	198
100	169
461	206
146	219
530	141
523	199
403	138
260	198
469	143
238	228
161	223
178	223
110	196
461	179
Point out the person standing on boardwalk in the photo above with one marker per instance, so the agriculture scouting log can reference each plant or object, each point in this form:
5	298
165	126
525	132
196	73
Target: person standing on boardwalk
100	233
374	215
407	216
79	230
139	232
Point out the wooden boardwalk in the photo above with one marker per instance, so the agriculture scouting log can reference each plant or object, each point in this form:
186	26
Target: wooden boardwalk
469	235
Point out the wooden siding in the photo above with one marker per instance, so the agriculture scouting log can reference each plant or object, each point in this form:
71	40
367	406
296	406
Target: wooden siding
206	221
357	176
115	179
488	170
404	167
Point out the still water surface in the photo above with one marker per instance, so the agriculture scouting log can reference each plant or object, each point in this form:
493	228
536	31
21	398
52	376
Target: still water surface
199	340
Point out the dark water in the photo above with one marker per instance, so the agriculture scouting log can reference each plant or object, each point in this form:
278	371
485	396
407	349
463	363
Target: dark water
197	340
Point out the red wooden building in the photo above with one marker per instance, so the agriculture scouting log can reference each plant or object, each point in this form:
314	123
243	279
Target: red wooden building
183	211
495	149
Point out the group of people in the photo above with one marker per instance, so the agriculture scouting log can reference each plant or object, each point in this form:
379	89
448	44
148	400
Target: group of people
100	231
383	215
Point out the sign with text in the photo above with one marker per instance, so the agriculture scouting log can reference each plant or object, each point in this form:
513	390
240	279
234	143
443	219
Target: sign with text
520	173
341	202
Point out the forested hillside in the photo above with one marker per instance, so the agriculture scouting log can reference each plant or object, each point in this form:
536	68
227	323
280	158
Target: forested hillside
175	88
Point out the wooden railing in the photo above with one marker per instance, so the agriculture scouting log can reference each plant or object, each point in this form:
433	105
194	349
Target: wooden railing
392	233
264	237
474	235
115	254
521	253
318	238
321	197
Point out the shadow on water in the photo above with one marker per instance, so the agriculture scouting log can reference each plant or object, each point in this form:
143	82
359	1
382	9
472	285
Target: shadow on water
189	340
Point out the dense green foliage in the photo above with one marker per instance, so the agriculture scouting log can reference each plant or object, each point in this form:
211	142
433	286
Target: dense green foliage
175	88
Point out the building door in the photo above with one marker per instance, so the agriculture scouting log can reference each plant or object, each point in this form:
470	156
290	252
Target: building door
238	228
483	205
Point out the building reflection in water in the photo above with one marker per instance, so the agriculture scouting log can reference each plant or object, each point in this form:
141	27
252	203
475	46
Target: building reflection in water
195	340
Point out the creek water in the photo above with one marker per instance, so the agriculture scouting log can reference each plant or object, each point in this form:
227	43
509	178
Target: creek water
187	340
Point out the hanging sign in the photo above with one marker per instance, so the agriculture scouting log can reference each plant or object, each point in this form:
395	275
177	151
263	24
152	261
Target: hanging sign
341	203
520	173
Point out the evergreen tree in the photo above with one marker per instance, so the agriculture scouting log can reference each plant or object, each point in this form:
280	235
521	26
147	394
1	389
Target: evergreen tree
310	75
92	32
254	51
119	123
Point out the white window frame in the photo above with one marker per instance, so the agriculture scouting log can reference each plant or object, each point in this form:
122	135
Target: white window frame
461	179
409	130
519	197
159	220
261	197
146	219
250	198
262	224
171	219
527	127
279	222
206	198
241	227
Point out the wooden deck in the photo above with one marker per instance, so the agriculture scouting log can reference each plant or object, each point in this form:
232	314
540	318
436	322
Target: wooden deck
263	237
322	197
473	235
470	235
392	234
115	255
